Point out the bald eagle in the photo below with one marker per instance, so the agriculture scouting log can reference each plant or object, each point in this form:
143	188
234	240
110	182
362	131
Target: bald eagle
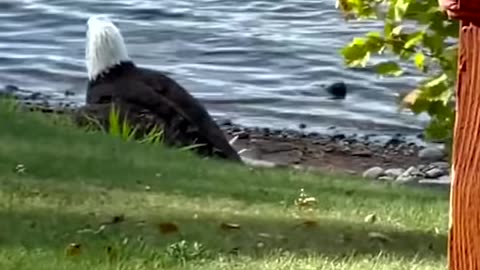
113	78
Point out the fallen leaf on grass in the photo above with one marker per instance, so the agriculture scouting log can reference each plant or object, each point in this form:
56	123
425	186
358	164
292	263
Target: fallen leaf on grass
260	244
73	249
370	218
229	226
265	235
168	228
379	237
308	223
20	169
88	230
307	201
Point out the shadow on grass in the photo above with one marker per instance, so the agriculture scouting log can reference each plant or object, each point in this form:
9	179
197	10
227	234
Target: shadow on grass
183	173
52	231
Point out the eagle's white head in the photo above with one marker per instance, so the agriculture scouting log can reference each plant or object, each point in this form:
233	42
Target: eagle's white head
105	46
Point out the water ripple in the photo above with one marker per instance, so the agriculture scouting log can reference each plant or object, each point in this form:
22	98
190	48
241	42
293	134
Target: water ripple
257	62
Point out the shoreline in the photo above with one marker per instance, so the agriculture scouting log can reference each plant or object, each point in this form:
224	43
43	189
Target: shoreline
335	152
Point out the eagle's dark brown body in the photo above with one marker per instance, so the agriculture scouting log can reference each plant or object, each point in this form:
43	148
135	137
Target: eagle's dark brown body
150	97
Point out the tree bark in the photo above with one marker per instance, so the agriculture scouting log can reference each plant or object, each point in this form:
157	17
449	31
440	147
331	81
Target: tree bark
464	226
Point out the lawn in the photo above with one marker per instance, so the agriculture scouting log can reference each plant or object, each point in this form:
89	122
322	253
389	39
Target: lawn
76	200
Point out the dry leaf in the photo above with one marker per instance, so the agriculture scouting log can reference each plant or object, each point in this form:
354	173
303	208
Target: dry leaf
379	236
308	201
20	169
100	229
168	227
407	99
265	235
229	226
73	249
309	223
370	218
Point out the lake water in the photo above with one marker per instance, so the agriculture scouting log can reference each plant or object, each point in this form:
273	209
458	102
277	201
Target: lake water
258	63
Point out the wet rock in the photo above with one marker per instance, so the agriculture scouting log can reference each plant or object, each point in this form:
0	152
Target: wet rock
35	96
266	131
394	141
69	93
338	136
434	173
225	122
431	153
11	88
241	134
394	172
338	90
313	135
373	173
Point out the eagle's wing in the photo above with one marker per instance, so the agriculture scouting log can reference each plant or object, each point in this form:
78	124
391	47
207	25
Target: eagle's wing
159	90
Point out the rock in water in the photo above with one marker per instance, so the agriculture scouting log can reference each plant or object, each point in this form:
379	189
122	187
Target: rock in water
373	173
145	93
338	90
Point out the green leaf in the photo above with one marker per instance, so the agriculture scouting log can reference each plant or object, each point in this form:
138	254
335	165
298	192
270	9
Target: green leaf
414	39
388	68
397	30
439	129
420	105
434	43
400	9
388	28
374	43
420	61
114	122
356	53
436	81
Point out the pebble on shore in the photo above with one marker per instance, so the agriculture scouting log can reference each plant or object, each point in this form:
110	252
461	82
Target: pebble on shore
434	174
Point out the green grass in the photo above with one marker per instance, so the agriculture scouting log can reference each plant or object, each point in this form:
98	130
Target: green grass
74	182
